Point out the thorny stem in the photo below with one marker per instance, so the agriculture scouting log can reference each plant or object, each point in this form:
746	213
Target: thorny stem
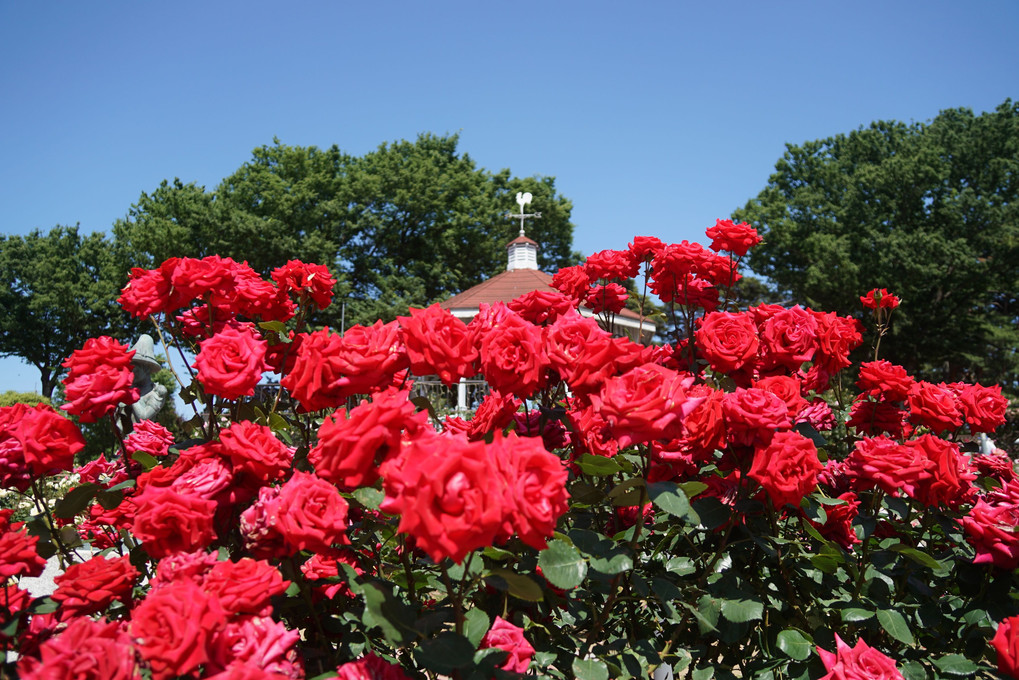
41	506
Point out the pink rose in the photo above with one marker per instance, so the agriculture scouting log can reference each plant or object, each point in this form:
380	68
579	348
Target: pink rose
509	638
861	662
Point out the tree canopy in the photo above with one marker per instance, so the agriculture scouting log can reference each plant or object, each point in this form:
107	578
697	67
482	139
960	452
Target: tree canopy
927	210
57	290
407	224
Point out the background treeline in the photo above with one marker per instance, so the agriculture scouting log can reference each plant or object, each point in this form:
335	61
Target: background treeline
927	210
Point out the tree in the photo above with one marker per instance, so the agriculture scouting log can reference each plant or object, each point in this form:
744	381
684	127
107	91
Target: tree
927	210
56	291
410	223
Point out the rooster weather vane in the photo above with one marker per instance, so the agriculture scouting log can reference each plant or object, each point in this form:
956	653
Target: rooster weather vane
522	200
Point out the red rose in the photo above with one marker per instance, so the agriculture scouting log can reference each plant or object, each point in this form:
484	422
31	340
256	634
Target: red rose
509	638
1006	644
949	483
644	247
231	363
879	298
611	264
704	427
181	566
609	297
735	238
438	343
174	626
884	379
648	402
789	338
983	408
310	513
446	495
994	531
245	586
91	586
350	448
753	415
728	341
874	417
260	643
857	663
100	377
591	433
262	537
934	406
168	522
581	352
886	463
85	650
39	438
788	389
370	667
150	437
308	281
329	368
495	413
787	468
837	336
572	281
148	291
513	357
838	526
254	450
534	483
18	556
541	306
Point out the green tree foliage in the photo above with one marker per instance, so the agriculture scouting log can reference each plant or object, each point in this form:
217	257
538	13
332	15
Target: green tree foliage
928	211
407	224
10	398
56	291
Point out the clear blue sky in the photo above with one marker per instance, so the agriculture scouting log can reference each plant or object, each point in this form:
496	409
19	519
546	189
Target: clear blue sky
654	117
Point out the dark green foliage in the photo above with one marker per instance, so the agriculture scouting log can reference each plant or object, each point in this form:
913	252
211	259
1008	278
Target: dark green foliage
56	291
928	211
408	224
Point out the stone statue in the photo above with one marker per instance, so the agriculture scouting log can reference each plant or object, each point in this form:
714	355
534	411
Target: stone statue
152	395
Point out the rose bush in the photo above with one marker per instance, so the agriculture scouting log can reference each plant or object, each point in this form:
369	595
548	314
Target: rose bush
725	504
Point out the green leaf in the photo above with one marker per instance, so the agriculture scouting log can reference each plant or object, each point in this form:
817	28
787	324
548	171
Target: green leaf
382	610
712	512
76	500
895	625
692	489
146	460
742	611
855	614
913	670
702	673
795	644
46	605
445	653
956	664
630	492
109	499
808	431
672	499
921	558
519	586
598	466
277	327
614	562
590	669
423	403
562	565
369	497
498	554
476	624
681	566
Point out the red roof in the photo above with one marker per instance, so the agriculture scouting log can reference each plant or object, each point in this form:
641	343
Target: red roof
502	287
507	286
521	239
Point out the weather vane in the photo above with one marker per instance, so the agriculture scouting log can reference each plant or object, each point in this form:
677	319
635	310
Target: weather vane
522	200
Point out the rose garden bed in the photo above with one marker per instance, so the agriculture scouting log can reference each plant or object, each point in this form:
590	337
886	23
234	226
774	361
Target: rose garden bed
744	502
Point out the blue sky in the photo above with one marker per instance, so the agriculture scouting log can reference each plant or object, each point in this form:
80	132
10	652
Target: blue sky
654	117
